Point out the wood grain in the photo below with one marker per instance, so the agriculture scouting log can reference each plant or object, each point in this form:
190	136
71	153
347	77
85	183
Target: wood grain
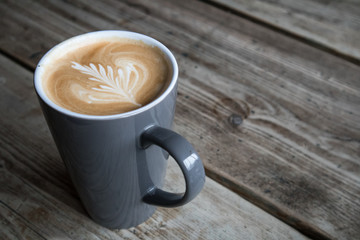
334	25
37	200
29	212
274	119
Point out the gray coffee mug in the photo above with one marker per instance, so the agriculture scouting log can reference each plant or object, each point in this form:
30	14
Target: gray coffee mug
118	162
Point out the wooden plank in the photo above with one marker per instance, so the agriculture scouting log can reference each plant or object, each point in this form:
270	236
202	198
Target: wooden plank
32	178
333	24
15	226
296	152
37	214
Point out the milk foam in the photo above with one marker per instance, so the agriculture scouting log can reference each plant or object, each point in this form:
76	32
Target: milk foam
120	86
108	76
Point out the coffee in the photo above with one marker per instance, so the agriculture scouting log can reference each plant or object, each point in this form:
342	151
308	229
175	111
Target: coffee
105	76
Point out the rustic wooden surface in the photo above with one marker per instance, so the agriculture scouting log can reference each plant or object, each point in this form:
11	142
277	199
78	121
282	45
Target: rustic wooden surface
331	24
274	118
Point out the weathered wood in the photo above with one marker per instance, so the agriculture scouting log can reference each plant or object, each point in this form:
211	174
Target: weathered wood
333	24
27	211
296	152
37	200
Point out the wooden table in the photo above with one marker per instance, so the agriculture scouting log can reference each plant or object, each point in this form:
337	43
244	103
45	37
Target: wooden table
269	95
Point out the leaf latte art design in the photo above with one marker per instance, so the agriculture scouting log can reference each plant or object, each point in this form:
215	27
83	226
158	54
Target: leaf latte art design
118	85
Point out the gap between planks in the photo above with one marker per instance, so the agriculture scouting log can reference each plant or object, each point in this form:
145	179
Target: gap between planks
296	36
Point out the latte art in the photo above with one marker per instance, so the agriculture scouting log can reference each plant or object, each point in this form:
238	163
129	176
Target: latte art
111	88
106	77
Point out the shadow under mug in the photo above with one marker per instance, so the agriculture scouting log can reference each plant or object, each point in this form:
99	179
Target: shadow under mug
118	162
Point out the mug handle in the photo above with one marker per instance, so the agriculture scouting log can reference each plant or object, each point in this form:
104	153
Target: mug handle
187	159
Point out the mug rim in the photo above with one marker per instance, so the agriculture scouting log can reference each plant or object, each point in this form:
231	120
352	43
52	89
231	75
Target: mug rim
107	33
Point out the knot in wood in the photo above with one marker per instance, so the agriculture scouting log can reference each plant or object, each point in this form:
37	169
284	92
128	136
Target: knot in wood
235	119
